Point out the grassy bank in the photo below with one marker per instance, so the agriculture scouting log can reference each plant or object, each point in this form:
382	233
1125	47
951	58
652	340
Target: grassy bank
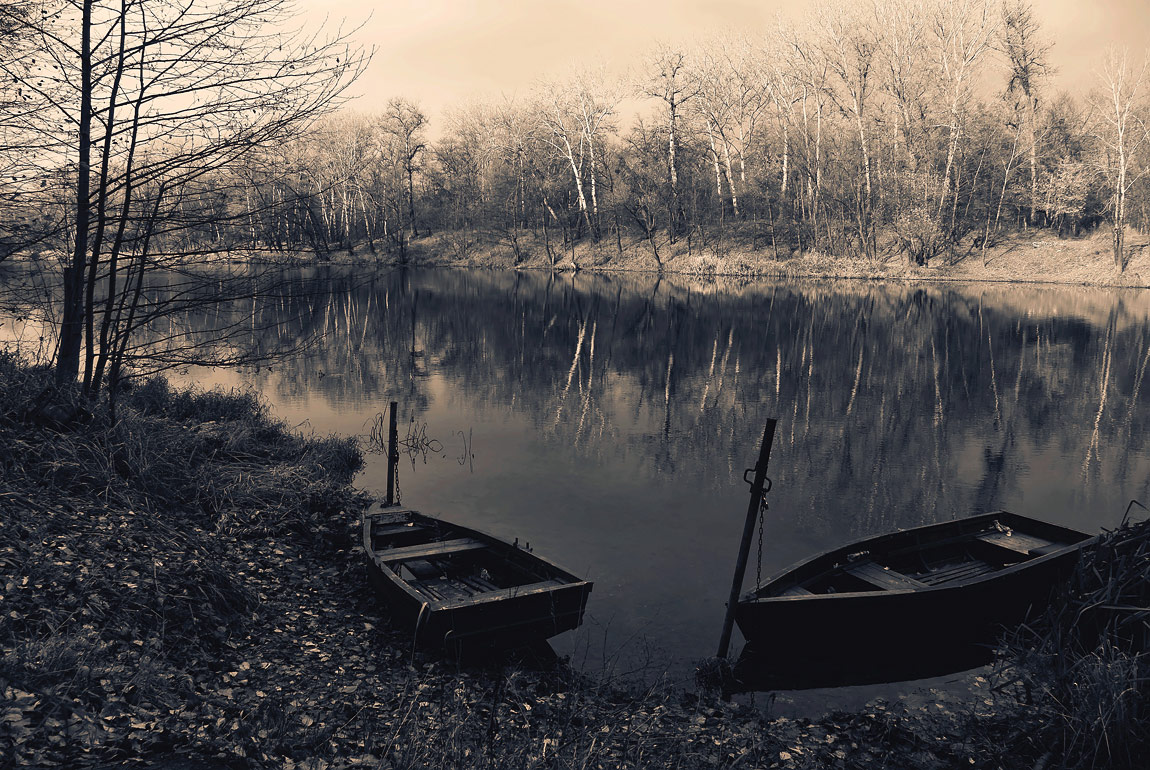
185	582
1084	665
1035	256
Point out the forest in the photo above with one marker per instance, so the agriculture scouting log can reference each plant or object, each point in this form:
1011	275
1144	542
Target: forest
868	129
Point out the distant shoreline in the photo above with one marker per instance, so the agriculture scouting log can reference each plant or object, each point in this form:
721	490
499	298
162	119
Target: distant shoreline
1025	258
1021	258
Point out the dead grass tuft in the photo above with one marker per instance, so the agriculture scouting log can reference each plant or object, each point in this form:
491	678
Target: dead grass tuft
1085	661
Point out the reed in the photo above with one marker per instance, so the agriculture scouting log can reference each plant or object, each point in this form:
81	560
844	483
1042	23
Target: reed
1084	662
216	455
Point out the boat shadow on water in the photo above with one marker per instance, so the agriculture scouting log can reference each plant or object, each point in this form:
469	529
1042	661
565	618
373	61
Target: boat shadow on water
756	670
922	602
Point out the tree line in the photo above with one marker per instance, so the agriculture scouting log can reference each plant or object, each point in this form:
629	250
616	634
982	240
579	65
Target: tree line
868	129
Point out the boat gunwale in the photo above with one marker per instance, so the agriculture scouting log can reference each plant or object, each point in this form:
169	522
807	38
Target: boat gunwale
373	514
752	597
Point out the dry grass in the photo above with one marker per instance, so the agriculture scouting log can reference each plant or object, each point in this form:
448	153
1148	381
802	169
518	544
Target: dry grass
1084	663
217	456
1038	256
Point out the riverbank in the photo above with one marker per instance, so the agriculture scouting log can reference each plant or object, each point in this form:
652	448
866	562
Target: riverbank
1035	256
186	583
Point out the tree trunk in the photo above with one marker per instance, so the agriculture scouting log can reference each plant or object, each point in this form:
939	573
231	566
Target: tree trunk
674	176
715	161
865	209
786	158
411	200
730	178
594	196
101	215
951	151
72	318
1033	138
1120	210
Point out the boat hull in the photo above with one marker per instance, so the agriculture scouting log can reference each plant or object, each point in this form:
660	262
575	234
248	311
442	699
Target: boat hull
876	635
452	611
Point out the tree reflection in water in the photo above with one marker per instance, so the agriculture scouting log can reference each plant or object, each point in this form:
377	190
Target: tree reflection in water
613	415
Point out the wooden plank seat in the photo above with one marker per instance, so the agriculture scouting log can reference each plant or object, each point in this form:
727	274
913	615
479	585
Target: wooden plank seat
454	590
514	591
1015	541
396	529
882	577
444	589
478	583
960	571
387	515
422	569
1047	549
441	548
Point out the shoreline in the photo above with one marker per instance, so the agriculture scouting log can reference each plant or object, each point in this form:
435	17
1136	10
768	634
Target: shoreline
1018	259
145	621
188	583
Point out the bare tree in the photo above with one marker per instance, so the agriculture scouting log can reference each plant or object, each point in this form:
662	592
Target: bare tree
785	92
850	44
811	73
1027	57
154	100
357	152
1122	132
962	34
562	121
667	80
907	80
596	99
733	95
406	122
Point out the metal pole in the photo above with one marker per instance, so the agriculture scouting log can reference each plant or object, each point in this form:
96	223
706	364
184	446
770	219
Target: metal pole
392	454
757	493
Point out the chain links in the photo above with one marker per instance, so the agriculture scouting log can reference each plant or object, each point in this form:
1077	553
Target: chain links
759	561
398	494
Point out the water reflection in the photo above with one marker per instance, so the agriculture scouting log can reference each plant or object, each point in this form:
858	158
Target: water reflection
903	405
611	417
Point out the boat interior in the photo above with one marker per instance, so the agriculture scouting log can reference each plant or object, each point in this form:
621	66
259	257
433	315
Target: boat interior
448	564
912	566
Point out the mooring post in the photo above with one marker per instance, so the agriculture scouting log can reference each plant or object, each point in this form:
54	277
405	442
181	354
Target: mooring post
757	493
392	454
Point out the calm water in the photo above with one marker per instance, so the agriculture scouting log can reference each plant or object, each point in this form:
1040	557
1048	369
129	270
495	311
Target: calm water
608	420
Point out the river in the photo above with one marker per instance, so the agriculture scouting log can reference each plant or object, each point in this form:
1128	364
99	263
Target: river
607	419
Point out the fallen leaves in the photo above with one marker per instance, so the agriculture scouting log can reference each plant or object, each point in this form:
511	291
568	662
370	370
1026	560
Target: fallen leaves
133	637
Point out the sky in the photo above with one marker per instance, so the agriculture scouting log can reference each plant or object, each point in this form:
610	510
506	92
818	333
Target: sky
442	53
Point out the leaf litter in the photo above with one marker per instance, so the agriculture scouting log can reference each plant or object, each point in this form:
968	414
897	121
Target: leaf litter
218	610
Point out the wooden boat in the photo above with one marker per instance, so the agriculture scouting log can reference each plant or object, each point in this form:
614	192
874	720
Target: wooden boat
456	586
914	603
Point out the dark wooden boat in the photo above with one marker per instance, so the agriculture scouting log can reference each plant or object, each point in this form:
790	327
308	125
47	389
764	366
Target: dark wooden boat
919	602
455	586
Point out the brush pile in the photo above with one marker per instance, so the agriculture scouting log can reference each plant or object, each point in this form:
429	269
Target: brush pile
1085	663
